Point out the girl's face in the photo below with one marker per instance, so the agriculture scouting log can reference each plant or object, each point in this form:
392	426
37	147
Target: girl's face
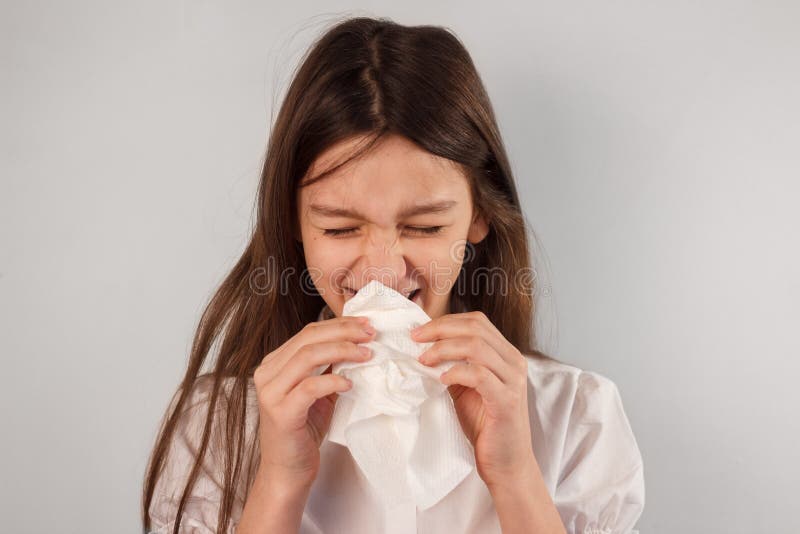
399	215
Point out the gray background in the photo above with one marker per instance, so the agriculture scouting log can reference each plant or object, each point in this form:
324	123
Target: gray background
656	149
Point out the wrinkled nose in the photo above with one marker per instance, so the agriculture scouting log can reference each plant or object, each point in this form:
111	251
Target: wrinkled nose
382	260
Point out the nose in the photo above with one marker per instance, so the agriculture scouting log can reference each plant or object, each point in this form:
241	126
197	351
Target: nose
382	260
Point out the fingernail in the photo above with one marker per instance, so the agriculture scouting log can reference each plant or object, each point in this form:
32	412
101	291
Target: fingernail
365	351
369	330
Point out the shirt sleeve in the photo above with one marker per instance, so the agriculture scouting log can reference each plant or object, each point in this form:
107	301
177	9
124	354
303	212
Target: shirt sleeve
600	488
202	506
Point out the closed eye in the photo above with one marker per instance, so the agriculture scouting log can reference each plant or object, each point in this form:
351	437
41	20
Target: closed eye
338	231
423	230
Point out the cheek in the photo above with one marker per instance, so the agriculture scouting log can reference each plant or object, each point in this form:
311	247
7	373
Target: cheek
316	254
327	259
439	263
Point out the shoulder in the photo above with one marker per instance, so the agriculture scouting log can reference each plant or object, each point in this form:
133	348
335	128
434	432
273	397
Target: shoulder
578	392
201	397
578	413
190	423
195	416
544	368
587	449
183	452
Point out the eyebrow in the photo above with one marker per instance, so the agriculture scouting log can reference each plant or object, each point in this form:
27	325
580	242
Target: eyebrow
416	209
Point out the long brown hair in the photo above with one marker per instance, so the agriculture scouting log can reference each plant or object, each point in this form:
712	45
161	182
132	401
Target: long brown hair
363	77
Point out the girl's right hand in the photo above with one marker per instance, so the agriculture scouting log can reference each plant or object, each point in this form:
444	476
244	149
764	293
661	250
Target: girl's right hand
295	405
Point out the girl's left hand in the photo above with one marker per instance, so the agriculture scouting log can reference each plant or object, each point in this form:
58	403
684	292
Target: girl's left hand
489	391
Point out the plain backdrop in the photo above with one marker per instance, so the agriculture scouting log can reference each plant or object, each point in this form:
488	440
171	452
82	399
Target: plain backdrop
657	150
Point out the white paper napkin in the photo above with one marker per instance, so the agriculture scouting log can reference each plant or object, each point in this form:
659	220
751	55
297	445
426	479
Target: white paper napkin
398	420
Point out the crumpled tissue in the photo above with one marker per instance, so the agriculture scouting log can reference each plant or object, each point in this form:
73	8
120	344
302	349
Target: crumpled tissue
398	420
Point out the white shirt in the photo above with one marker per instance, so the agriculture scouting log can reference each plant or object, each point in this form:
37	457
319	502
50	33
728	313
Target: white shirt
581	436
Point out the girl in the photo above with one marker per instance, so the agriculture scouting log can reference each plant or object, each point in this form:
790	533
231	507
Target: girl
385	159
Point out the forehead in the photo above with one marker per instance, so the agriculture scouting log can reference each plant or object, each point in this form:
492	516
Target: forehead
394	173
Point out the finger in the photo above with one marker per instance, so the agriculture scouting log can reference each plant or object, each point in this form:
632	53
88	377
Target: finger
309	357
300	399
468	324
355	329
496	396
320	331
473	349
